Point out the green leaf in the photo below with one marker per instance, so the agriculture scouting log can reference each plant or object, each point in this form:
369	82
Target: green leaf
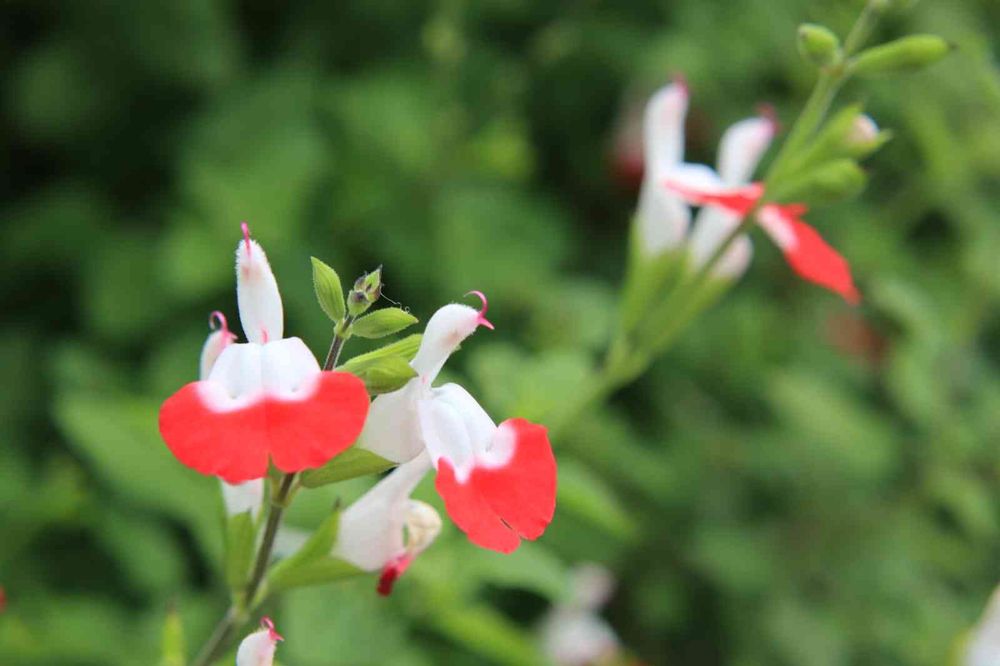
389	374
329	293
407	348
353	462
313	572
241	532
383	322
173	640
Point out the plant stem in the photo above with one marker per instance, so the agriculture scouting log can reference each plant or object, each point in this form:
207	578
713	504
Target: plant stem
337	344
237	614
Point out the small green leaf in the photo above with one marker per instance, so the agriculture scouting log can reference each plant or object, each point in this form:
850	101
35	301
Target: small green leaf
388	375
383	322
241	535
352	463
311	560
173	647
329	293
907	54
313	572
405	348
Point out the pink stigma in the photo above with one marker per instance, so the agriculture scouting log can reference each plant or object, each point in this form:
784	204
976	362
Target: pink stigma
217	322
246	235
680	80
267	623
767	112
482	320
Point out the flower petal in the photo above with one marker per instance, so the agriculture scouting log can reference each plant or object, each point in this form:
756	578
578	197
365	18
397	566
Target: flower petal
257	293
445	331
742	146
806	252
472	513
738	200
663	128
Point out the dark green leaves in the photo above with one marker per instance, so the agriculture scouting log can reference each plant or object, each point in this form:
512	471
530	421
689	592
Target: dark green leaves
351	463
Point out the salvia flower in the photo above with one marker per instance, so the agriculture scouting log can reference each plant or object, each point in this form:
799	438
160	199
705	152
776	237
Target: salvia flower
263	401
498	482
574	633
385	529
804	249
258	648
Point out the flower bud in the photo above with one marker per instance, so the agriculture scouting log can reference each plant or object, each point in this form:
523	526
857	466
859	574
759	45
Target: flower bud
367	289
902	55
818	44
864	137
257	649
831	181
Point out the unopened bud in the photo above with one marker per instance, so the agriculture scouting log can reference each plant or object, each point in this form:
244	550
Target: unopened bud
818	44
864	137
831	181
850	133
903	55
367	289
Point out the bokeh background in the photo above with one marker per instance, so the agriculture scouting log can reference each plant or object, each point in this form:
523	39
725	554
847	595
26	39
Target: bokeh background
797	482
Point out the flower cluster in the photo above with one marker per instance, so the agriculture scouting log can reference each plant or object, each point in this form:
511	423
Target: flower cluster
727	197
267	402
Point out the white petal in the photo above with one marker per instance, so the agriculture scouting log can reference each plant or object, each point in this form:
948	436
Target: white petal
478	424
445	331
694	176
663	219
984	646
391	429
242	497
591	585
257	649
257	294
774	223
663	128
235	380
572	637
371	529
741	148
217	341
288	369
446	436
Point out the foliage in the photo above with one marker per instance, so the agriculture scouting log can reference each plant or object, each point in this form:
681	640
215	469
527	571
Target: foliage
797	482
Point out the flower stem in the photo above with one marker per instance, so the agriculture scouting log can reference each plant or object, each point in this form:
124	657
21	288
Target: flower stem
238	612
337	344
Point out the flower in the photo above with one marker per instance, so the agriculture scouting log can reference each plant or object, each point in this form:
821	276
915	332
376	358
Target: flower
804	249
257	649
371	531
983	648
498	482
740	150
574	633
663	218
265	400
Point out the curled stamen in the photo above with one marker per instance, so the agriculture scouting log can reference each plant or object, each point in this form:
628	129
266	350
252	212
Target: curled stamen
267	623
217	322
482	320
246	235
767	112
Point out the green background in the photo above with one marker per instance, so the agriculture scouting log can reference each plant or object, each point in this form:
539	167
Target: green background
797	482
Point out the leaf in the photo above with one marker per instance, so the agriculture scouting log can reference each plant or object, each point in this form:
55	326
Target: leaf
388	375
383	322
407	348
353	462
241	535
329	292
313	572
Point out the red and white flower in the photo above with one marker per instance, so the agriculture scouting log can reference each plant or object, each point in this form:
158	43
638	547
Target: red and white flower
264	401
385	530
740	150
498	482
804	249
258	648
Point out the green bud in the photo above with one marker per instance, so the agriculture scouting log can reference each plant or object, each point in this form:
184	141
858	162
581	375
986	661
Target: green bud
849	133
350	464
383	322
818	44
329	293
903	55
405	349
830	181
367	289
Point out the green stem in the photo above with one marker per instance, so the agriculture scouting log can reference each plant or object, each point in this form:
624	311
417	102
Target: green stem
236	615
337	344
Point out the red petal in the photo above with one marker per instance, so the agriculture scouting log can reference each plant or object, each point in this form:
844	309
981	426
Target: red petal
391	573
471	512
236	445
737	200
522	492
813	259
306	434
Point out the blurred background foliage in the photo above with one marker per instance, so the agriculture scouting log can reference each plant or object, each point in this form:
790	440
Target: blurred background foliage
797	482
